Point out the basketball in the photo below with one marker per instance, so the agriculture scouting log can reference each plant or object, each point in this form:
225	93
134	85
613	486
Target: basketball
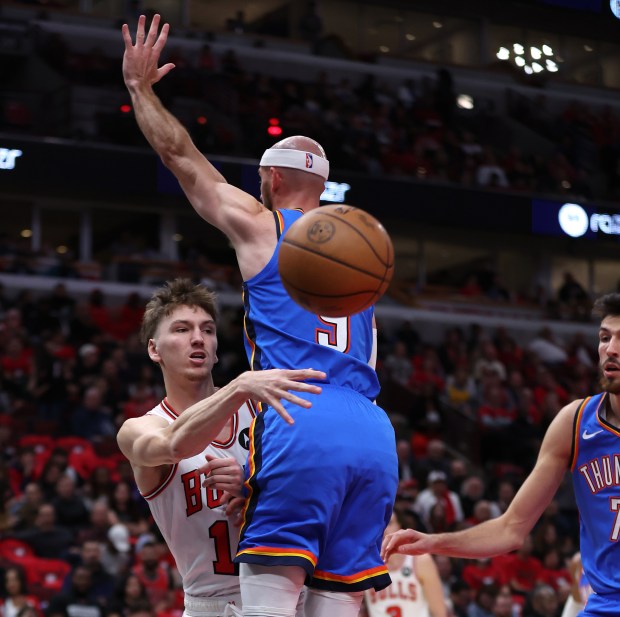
336	260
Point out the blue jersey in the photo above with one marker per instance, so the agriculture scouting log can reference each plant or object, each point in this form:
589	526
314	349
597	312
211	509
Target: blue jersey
596	478
281	334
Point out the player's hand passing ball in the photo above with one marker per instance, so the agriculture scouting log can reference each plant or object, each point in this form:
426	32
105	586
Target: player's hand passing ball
273	386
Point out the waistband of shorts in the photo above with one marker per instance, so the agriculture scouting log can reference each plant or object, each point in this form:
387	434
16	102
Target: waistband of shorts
197	606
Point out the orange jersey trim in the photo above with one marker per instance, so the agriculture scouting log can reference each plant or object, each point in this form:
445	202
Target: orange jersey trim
577	431
352	578
279	222
280	552
247	484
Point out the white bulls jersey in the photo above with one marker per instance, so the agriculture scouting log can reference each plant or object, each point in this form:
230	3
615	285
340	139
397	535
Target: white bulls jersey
403	598
192	519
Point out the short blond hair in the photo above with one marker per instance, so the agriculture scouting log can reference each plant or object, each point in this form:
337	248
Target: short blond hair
172	295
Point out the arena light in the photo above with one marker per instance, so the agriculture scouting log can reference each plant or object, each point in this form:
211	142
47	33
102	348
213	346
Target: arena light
274	131
465	101
533	60
8	156
552	67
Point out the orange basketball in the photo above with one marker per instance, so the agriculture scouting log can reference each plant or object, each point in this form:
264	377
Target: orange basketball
336	260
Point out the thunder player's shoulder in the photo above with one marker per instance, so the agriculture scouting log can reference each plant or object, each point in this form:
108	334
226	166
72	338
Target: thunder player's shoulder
566	415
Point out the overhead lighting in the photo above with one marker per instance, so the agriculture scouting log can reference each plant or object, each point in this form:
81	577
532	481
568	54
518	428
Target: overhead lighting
384	49
587	48
552	67
537	59
26	233
437	24
465	101
410	37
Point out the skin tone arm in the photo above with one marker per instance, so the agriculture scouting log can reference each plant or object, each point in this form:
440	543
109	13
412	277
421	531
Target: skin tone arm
426	571
147	443
575	573
226	207
507	532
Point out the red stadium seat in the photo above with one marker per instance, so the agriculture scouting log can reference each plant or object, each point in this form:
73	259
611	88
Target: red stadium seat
14	550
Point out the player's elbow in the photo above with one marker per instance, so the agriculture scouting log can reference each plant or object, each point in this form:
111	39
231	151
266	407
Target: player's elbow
176	451
514	538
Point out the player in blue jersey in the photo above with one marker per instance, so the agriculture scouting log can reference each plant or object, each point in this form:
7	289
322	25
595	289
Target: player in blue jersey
320	492
584	438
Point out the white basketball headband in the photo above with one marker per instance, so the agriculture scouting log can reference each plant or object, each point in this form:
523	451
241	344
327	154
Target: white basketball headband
296	159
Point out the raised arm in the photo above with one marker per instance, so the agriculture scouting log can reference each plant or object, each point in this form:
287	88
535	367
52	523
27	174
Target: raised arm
507	532
219	203
148	442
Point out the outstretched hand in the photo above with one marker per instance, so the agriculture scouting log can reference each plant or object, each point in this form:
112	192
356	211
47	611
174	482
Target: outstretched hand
273	386
140	60
407	541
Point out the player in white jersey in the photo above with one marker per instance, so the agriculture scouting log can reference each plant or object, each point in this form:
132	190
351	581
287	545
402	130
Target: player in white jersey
416	589
198	437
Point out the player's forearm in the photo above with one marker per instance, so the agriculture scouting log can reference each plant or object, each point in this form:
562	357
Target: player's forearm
167	136
200	424
494	537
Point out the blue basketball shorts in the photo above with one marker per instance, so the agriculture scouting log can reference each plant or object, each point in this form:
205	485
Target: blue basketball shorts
321	492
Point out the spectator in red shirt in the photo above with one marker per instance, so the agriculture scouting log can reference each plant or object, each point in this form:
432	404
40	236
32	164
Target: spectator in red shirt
156	578
481	572
556	574
522	570
548	383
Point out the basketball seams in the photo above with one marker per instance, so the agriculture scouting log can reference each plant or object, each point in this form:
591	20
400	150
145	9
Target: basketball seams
385	263
302	247
354	276
314	294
